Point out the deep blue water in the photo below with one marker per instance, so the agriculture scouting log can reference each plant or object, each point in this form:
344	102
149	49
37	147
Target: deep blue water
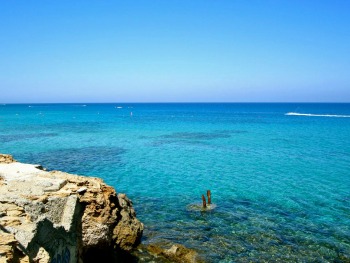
280	183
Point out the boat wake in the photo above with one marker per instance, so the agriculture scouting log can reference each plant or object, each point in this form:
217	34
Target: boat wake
316	115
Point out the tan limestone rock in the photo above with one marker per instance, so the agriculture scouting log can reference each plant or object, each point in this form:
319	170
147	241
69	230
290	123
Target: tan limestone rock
6	158
59	216
176	253
9	251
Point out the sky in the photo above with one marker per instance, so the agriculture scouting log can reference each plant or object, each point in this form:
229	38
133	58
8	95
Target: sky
174	51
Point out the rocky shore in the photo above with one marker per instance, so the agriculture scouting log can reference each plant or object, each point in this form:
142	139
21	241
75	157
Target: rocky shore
60	217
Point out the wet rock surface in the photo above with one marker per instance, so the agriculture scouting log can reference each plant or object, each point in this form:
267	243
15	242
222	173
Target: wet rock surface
60	217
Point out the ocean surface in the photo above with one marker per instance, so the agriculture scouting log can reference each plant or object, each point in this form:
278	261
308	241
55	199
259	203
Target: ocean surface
279	174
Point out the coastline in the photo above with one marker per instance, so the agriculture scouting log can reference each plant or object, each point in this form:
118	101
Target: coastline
59	217
53	216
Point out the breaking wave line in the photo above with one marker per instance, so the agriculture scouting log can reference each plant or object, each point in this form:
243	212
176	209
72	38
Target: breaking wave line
316	115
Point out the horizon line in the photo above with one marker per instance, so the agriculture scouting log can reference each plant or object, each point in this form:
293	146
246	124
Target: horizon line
179	102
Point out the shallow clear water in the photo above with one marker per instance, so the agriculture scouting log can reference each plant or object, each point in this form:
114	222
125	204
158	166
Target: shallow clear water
281	183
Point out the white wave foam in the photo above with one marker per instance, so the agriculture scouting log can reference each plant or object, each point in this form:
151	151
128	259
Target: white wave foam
316	115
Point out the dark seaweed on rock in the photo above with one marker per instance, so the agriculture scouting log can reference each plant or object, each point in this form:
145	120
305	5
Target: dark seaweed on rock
198	138
230	131
217	134
87	160
158	143
19	137
196	135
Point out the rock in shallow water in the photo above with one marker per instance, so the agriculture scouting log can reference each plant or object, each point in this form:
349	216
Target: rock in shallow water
176	253
46	216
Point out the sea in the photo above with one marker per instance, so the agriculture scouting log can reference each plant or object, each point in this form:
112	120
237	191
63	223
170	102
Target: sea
279	173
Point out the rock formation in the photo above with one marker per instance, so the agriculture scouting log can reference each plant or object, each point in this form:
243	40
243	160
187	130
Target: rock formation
176	253
60	217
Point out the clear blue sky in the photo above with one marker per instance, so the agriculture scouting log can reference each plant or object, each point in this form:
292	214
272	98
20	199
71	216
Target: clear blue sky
174	51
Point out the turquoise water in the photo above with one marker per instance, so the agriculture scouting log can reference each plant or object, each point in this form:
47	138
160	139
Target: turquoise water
281	183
